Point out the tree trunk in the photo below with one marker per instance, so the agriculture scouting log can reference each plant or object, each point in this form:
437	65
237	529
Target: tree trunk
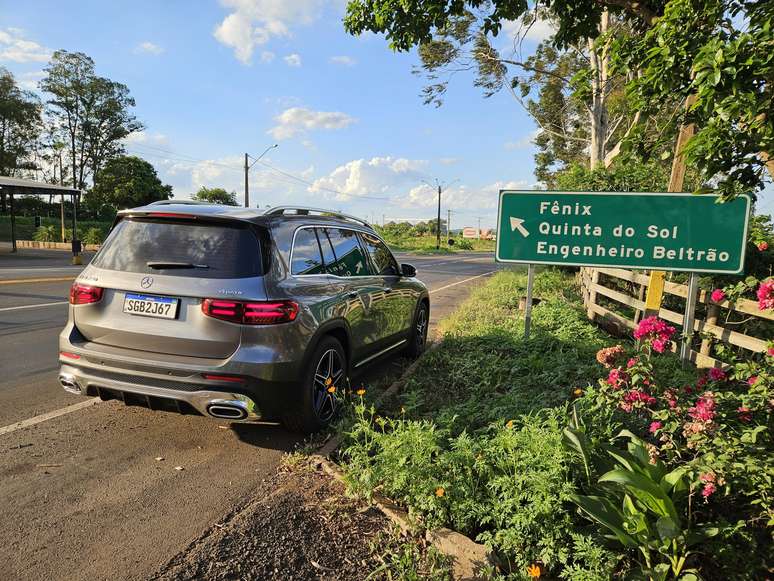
598	111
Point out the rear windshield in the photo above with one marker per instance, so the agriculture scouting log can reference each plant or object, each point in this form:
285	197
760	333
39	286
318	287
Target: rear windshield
190	249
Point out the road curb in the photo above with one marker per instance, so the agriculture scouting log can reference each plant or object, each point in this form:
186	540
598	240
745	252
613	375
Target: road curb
471	561
34	280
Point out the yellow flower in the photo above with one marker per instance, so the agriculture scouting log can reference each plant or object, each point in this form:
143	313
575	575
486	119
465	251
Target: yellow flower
534	571
577	392
402	410
509	425
332	389
439	492
329	381
361	391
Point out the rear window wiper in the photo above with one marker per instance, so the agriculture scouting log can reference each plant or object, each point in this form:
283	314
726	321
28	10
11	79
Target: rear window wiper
166	264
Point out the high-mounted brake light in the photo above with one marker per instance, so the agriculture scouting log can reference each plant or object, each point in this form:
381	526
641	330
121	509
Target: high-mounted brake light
251	313
170	215
83	294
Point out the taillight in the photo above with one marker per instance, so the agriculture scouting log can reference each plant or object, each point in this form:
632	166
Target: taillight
83	294
251	313
69	355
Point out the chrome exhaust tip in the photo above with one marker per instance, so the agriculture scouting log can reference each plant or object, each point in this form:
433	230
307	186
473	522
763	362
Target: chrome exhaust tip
227	412
69	384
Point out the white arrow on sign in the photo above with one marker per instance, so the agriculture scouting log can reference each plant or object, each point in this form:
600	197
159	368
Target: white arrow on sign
518	224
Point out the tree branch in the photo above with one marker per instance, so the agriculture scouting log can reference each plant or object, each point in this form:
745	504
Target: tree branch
647	14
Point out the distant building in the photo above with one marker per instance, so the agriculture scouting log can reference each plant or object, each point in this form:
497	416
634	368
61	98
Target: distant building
486	233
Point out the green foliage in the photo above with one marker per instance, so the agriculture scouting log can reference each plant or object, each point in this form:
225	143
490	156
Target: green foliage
126	182
46	234
474	439
20	125
631	176
93	235
216	196
90	115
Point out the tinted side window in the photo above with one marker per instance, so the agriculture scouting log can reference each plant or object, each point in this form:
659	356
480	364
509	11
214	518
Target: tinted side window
306	253
326	245
181	248
349	257
380	255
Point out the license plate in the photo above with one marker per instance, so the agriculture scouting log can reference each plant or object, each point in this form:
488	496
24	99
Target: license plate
150	306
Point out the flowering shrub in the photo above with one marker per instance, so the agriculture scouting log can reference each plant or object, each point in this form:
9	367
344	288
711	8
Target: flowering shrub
765	295
716	429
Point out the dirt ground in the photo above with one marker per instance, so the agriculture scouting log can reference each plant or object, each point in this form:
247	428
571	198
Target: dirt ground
301	525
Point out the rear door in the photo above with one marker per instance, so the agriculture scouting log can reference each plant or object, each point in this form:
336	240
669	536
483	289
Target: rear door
155	274
347	264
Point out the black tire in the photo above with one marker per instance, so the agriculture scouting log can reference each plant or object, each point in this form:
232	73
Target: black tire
418	335
315	406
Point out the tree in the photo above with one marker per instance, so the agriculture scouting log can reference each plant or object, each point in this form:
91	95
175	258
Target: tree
216	196
20	125
714	54
125	182
90	112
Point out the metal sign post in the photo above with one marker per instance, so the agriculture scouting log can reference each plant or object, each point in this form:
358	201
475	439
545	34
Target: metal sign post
528	305
688	317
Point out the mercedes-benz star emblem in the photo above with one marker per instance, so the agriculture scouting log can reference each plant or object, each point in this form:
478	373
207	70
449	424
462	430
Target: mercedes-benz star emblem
146	282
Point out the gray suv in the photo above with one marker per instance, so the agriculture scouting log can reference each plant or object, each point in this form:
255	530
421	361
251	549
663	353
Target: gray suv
238	314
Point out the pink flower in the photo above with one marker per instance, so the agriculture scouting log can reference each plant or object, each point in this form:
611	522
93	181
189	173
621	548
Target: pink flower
717	374
633	361
671	398
704	410
708	490
617	378
636	398
763	246
718	295
770	351
745	415
655	427
656	332
752	379
766	295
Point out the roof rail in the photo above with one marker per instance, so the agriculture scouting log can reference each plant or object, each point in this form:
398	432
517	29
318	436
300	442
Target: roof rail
305	211
181	202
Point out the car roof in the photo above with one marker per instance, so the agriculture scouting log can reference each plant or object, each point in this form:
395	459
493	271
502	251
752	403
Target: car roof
257	215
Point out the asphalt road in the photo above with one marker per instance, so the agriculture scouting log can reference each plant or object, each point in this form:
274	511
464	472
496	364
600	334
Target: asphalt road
83	495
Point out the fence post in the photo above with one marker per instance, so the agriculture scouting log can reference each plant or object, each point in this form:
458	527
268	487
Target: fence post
592	294
713	311
688	317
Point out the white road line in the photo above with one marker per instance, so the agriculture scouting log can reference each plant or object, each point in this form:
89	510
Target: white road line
461	281
48	416
32	306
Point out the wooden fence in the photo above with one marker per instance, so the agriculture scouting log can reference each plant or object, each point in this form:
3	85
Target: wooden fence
616	298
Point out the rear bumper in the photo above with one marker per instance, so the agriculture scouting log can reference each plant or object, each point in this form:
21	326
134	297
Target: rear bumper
177	383
219	404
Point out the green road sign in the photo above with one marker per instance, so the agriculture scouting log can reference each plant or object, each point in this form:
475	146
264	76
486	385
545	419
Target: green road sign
630	230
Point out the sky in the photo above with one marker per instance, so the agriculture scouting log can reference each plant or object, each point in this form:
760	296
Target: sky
237	76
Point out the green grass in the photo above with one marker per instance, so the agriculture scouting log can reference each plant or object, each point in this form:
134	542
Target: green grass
426	244
473	441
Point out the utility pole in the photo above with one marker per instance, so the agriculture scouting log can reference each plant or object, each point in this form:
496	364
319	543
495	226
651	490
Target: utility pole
448	223
479	229
248	165
438	225
438	220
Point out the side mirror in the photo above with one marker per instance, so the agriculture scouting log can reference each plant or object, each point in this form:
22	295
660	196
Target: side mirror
408	271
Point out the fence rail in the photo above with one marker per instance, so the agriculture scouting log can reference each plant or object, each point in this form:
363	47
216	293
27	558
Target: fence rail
616	298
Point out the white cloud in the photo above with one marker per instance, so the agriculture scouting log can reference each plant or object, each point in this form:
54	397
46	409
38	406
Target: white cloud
253	23
522	143
448	160
344	60
267	56
148	47
29	81
14	47
370	177
459	197
537	31
299	120
146	138
293	60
